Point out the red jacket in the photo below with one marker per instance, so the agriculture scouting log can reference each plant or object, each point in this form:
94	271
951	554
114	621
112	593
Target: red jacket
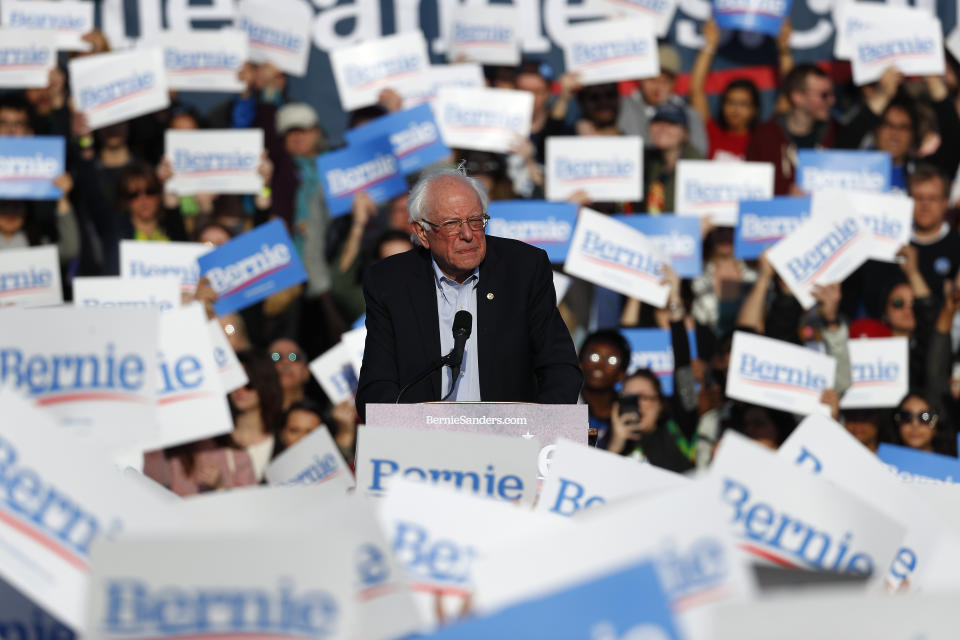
769	143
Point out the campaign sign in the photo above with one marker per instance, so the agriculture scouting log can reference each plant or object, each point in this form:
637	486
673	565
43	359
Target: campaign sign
660	11
822	447
763	223
252	267
611	50
547	225
484	34
715	189
777	374
369	166
787	517
30	277
314	460
364	70
583	477
483	119
887	216
423	86
490	466
333	370
819	169
653	349
761	16
232	374
54	512
20	617
277	32
26	58
914	47
355	341
118	86
913	465
608	169
69	19
821	251
627	603
214	161
140	259
851	17
880	371
682	531
952	43
678	238
28	166
616	256
413	135
561	284
204	60
110	292
94	370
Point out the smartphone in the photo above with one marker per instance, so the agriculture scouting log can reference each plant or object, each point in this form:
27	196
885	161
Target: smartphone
629	403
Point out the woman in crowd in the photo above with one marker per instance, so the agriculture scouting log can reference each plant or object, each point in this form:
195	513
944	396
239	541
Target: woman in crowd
604	360
919	426
257	410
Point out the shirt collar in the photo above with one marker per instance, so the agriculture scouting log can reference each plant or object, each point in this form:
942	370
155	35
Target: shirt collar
440	277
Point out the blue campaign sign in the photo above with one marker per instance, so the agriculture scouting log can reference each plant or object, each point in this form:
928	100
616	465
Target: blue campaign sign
28	166
857	170
627	604
920	463
369	166
652	349
677	236
548	225
762	16
762	223
413	135
252	267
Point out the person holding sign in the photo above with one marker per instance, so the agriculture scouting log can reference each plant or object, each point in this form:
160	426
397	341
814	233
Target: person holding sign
516	348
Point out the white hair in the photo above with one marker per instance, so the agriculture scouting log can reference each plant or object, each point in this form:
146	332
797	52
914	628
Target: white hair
417	200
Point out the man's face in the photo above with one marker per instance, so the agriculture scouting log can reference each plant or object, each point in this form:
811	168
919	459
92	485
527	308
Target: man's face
816	99
895	133
457	255
536	85
655	91
12	215
667	135
929	204
14	122
299	423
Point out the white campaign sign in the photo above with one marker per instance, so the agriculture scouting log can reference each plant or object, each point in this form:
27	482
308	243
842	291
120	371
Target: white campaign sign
117	86
561	284
609	169
70	19
61	497
683	532
953	42
914	47
232	374
314	460
823	447
582	477
109	292
30	277
777	374
618	257
483	119
214	161
852	17
28	56
333	370
786	517
659	11
204	60
611	50
438	536
715	189
887	216
364	70
880	368
485	34
94	370
491	466
822	250
355	341
277	32
422	87
139	259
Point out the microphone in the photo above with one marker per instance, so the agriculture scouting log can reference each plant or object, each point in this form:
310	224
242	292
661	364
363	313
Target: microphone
462	328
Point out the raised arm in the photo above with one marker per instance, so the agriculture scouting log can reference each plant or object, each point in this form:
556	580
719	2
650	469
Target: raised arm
701	69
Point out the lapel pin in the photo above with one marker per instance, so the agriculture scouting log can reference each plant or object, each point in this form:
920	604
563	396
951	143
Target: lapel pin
489	296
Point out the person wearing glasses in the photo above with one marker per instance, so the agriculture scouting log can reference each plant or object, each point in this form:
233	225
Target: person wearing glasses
292	371
519	348
919	426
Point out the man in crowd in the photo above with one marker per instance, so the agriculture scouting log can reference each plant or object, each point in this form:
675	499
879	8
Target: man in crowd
938	245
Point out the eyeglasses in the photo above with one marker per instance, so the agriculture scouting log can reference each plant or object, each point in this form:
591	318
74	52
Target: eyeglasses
292	356
900	303
452	227
896	127
926	418
149	191
596	357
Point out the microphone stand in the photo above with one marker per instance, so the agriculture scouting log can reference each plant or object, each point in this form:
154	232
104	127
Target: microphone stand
445	360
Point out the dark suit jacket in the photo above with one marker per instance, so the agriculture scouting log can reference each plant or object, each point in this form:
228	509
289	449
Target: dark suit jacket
524	349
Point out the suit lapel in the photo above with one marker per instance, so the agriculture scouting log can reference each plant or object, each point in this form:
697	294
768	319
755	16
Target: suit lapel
488	316
422	291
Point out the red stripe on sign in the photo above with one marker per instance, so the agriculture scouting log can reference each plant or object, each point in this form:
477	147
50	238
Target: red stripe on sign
254	280
424	587
184	396
225	635
617	265
90	397
766	555
781	385
57	549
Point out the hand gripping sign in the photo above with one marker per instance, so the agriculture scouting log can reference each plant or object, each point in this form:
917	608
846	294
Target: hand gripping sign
30	277
29	165
483	119
880	368
715	189
26	58
914	47
618	257
777	374
487	34
822	447
611	50
69	19
214	161
608	169
364	70
786	517
277	32
113	87
204	60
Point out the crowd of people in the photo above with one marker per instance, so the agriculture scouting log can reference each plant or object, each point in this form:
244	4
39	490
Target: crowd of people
114	189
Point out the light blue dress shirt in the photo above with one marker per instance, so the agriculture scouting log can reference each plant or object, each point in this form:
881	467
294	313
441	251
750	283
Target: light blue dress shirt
453	297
